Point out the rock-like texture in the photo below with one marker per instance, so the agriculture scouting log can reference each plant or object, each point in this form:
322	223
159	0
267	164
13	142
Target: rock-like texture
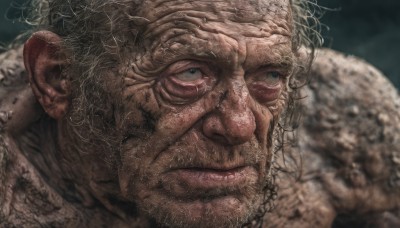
347	159
349	146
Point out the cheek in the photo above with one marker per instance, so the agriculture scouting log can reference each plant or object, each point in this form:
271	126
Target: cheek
136	172
143	152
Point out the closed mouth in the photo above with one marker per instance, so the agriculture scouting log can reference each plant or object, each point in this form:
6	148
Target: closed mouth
212	178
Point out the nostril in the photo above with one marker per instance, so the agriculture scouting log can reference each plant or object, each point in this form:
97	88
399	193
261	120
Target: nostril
220	138
214	129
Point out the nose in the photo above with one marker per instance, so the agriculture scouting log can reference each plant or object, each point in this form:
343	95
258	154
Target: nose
232	122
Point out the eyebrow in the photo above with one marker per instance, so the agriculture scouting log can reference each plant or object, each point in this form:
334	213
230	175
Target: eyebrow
274	57
196	48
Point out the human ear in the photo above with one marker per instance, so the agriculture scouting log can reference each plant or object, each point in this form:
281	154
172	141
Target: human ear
44	61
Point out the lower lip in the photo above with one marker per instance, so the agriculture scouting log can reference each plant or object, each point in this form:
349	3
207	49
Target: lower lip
210	178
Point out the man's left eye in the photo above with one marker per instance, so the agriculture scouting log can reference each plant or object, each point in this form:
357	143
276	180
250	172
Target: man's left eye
271	78
190	75
266	86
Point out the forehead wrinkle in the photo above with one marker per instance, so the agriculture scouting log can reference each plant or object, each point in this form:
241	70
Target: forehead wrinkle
209	20
169	27
155	9
161	34
193	21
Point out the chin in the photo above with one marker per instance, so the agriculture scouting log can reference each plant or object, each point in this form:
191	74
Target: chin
201	198
226	211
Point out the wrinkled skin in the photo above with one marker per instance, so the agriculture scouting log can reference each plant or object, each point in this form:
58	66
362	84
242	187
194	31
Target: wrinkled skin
190	114
213	99
195	116
345	182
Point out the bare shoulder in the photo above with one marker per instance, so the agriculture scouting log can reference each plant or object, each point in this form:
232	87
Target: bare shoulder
11	81
353	123
12	70
18	106
349	146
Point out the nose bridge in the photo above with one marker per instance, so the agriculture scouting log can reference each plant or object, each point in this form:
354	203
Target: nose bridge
235	99
235	113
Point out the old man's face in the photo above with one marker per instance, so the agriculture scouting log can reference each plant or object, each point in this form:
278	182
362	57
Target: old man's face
198	106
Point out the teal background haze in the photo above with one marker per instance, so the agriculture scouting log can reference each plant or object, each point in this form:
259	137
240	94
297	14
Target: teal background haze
366	28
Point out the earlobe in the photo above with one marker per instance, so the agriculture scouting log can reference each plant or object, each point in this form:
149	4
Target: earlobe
44	61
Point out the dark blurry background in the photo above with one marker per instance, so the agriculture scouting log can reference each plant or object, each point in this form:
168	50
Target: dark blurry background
366	28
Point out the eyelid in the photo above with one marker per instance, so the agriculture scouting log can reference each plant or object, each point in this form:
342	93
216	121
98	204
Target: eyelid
176	91
188	76
255	76
180	82
282	69
183	65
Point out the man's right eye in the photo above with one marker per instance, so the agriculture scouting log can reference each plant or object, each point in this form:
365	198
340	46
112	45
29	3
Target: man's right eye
186	81
190	75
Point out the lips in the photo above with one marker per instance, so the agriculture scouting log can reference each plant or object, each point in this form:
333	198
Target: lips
208	182
209	178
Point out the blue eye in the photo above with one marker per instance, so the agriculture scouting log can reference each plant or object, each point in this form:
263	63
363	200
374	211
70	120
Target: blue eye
189	75
272	78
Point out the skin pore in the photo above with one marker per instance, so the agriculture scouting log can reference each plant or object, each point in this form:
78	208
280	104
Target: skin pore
193	111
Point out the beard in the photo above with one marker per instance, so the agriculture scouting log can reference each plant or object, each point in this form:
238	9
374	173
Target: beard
164	216
171	202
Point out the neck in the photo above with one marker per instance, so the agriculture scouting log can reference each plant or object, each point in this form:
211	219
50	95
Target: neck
78	179
38	143
80	186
